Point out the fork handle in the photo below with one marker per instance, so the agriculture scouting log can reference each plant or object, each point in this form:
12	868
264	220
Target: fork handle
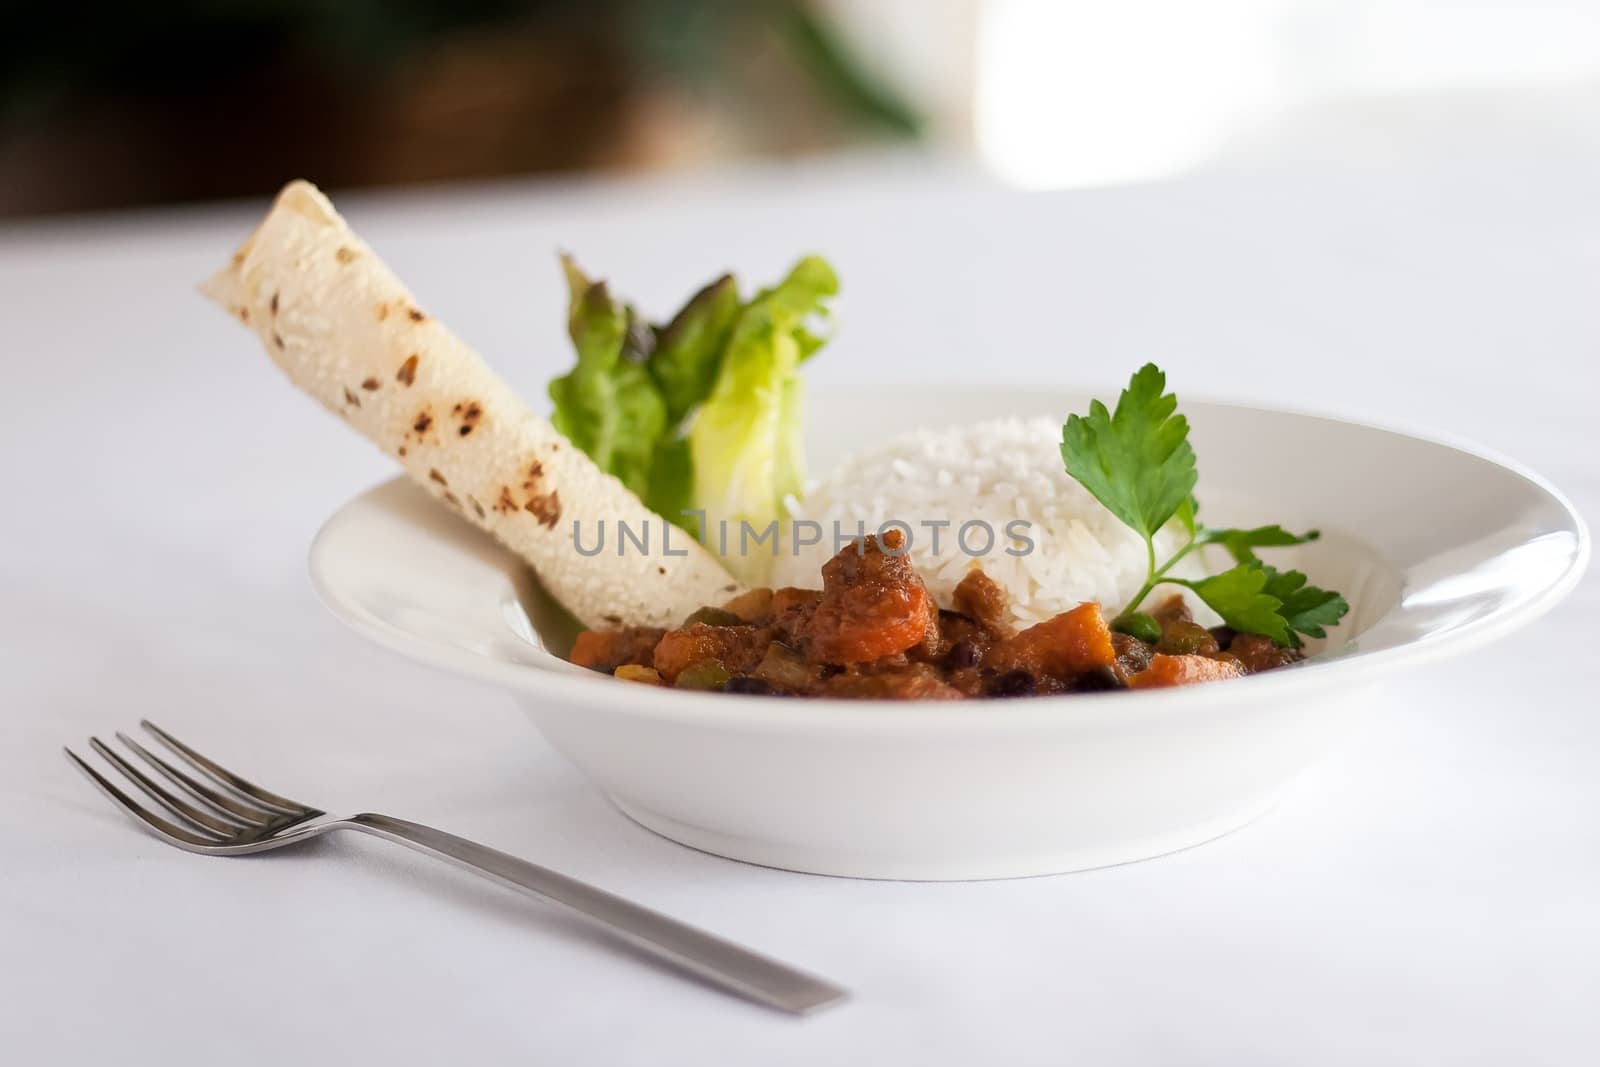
720	962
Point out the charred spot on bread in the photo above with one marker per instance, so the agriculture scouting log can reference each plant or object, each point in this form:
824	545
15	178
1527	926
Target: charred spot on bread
244	314
415	314
470	413
370	385
383	311
424	420
345	254
351	398
507	503
477	508
408	370
434	475
450	498
546	507
274	302
277	339
402	450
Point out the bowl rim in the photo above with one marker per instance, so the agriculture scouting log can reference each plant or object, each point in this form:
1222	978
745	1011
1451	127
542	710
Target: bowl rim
579	686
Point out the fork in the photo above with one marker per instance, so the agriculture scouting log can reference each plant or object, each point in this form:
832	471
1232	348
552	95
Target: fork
220	813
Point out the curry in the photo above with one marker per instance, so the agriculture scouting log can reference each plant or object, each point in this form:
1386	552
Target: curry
874	631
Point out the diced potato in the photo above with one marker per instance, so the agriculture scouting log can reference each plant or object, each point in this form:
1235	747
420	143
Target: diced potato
979	597
753	605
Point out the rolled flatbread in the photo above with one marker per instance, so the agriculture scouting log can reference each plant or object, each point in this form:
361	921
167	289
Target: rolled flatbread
345	330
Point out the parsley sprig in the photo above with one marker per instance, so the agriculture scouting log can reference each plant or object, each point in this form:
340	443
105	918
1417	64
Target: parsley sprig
1137	461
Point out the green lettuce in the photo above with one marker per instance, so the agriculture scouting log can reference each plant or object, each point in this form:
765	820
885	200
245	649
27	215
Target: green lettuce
704	413
609	405
746	442
689	348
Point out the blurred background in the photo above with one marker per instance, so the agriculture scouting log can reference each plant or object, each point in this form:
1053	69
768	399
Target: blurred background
111	105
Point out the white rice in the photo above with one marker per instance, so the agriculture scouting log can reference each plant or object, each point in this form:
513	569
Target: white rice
992	473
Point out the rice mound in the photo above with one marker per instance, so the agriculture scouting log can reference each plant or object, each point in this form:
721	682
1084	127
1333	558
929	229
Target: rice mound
990	472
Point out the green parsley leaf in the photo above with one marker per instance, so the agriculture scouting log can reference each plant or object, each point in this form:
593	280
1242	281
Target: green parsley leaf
1188	516
1239	596
1241	544
1255	598
1138	463
1307	609
1136	460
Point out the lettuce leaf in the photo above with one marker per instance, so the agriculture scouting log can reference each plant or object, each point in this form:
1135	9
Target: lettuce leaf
703	414
608	405
688	350
746	441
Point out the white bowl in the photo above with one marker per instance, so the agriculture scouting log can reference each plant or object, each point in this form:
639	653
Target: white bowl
1438	548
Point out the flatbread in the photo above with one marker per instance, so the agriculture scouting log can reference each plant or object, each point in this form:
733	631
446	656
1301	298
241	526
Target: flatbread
345	330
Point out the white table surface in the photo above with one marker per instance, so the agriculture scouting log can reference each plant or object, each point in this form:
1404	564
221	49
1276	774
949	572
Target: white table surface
1428	894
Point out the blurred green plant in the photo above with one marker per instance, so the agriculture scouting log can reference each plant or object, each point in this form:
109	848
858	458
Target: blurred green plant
53	55
694	42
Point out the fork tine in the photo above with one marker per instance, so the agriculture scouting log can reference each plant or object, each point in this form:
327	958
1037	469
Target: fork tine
154	823
247	816
177	806
221	774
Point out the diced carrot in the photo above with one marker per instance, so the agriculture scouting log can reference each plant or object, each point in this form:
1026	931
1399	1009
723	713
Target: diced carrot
606	650
1074	642
590	648
736	648
1165	671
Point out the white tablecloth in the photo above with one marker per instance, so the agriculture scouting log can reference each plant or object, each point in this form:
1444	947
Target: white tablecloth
1426	895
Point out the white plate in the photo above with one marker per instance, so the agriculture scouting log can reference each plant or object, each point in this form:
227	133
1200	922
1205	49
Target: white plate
1439	549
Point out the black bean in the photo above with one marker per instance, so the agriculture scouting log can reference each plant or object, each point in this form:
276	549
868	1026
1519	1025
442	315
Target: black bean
962	654
1097	681
1014	684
